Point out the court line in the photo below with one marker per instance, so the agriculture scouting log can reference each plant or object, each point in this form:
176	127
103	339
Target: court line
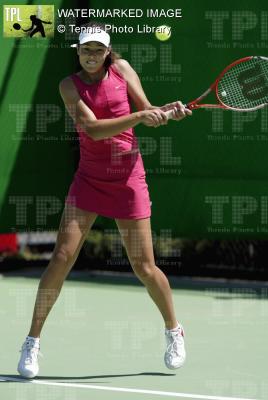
126	390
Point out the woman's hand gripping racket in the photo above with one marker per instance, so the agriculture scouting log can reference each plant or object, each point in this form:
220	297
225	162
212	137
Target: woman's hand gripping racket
242	86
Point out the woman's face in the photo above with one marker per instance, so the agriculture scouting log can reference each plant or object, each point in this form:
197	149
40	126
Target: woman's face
92	56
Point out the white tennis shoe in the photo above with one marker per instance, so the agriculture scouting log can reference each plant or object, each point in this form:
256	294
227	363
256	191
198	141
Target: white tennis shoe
175	354
28	365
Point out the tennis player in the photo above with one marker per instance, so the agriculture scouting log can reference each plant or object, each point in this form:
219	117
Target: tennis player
110	181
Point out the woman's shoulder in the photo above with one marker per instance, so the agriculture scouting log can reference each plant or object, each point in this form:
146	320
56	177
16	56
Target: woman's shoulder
121	62
67	84
68	80
122	66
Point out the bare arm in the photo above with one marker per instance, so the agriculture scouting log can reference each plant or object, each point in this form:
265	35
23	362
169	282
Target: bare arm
99	129
138	96
135	89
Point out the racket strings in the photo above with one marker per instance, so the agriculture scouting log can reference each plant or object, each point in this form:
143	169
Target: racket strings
245	85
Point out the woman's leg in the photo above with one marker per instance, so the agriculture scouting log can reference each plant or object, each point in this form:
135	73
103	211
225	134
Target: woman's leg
137	238
73	229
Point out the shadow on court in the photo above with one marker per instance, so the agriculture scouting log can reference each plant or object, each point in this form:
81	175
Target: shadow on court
78	379
42	377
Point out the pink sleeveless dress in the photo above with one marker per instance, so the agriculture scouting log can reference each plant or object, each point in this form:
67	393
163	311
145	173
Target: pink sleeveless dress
110	179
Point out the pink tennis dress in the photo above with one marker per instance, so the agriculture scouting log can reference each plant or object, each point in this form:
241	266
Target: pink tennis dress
110	179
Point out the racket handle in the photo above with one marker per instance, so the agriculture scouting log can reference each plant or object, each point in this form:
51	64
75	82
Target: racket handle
170	113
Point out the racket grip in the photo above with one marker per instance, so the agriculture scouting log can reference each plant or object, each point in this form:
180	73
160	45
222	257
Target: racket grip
170	113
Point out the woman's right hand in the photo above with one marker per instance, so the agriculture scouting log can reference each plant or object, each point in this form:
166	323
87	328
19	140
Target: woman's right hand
154	117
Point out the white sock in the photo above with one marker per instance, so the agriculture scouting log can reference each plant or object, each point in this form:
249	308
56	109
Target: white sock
34	338
174	329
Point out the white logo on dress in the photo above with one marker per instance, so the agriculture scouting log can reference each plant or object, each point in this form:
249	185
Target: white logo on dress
117	87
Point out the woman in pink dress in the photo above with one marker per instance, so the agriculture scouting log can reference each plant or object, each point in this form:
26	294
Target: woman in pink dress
110	181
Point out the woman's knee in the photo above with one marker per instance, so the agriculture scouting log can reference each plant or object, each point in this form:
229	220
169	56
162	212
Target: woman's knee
144	270
62	255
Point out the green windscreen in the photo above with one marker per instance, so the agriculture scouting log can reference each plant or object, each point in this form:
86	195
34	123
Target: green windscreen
207	175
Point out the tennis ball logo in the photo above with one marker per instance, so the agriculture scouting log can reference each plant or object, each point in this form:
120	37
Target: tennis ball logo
16	26
163	33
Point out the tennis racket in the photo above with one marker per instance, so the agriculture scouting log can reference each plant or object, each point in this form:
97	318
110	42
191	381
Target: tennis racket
242	86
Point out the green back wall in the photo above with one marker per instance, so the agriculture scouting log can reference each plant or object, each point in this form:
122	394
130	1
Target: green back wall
207	174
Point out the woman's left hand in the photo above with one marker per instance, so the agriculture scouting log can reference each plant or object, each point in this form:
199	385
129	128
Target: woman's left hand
180	111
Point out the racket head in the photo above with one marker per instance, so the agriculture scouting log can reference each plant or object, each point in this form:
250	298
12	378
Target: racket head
243	85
